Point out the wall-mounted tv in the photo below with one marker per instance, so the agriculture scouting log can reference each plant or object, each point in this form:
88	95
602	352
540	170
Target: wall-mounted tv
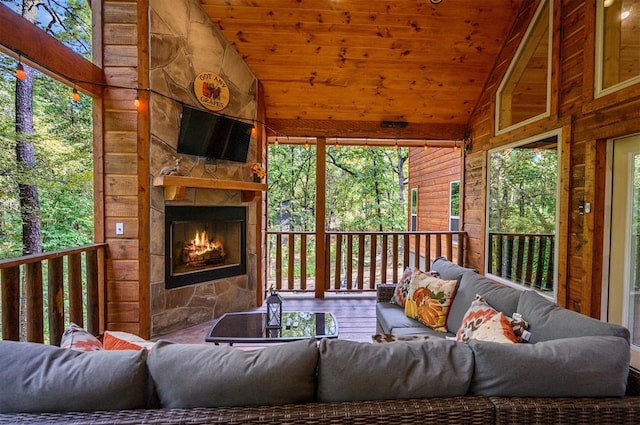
213	136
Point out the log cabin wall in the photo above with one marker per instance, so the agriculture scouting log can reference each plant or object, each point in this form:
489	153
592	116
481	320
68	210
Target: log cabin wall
587	124
431	171
159	47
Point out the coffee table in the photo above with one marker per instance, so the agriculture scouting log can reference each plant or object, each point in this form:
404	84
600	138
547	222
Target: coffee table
250	327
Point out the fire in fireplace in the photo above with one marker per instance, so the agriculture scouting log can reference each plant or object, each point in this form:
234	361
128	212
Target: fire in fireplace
204	243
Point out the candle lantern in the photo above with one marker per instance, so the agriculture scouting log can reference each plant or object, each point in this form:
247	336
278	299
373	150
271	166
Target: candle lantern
274	310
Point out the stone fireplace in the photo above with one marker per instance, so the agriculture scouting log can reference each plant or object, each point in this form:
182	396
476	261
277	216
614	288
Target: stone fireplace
204	243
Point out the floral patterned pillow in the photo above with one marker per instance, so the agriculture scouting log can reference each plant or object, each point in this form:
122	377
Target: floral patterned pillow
478	313
402	288
77	338
496	329
429	299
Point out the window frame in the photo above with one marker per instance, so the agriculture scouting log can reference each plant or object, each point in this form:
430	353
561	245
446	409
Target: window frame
557	133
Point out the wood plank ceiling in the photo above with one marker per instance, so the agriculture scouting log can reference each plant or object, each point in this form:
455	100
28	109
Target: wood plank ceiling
339	68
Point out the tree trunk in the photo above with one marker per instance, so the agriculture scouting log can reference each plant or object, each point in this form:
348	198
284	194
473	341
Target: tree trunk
401	160
26	163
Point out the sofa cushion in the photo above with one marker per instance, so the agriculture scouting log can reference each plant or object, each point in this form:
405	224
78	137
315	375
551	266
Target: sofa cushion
349	370
549	321
501	297
199	375
448	270
391	316
45	378
429	299
571	367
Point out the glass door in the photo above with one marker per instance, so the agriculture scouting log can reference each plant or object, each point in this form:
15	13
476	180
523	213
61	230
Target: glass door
624	266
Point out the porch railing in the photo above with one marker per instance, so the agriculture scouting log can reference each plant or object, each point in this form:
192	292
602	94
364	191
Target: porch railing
524	258
61	285
354	261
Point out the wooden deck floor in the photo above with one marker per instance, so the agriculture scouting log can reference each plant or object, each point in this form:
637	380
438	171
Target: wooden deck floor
356	315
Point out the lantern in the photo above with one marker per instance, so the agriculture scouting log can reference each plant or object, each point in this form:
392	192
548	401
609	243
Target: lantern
274	310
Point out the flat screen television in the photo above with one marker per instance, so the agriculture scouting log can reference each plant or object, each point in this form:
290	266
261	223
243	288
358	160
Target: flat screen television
213	136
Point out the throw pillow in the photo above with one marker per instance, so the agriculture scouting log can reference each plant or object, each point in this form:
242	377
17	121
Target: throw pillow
402	288
77	338
117	340
429	299
496	329
478	313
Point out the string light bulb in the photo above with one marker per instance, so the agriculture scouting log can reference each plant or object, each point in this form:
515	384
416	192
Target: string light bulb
136	101
396	145
366	144
425	147
306	143
277	142
75	95
455	147
20	73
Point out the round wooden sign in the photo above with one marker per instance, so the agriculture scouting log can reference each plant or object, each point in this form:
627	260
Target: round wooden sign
211	90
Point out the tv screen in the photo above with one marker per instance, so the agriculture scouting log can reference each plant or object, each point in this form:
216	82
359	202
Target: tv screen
213	136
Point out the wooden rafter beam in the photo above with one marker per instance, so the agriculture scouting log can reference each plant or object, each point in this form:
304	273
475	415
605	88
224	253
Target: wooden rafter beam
43	52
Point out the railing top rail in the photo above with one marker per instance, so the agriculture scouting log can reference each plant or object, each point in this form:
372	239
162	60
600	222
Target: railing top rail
521	234
346	232
35	258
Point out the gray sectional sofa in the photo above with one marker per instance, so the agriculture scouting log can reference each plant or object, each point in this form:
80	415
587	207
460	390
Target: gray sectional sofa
574	373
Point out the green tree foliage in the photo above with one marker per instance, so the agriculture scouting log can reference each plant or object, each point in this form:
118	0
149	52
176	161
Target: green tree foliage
363	188
523	194
63	142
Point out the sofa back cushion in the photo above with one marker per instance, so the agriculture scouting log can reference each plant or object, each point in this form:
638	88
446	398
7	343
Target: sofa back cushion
549	321
595	366
199	375
351	370
501	297
448	270
45	378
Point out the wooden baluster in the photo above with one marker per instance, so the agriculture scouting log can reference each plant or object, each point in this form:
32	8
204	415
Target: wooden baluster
405	253
439	246
427	251
56	299
361	261
349	261
279	261
384	265
449	238
530	253
540	267
74	262
35	323
416	250
509	259
519	276
460	255
93	298
372	258
11	304
499	255
394	254
290	261
550	265
326	284
338	268
303	262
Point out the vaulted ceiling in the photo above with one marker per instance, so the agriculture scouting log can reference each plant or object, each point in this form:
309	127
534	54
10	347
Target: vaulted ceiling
339	68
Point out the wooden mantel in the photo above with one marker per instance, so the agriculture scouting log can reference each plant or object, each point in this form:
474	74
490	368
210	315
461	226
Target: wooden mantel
174	186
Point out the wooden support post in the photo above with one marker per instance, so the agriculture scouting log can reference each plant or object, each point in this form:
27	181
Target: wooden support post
321	185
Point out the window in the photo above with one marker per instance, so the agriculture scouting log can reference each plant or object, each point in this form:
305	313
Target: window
522	213
414	209
617	47
454	208
524	94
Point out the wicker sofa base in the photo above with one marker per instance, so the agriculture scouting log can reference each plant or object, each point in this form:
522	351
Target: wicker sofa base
450	410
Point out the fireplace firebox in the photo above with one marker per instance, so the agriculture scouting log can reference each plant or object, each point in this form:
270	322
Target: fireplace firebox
204	243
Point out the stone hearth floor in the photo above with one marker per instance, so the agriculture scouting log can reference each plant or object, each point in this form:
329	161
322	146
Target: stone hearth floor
356	315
